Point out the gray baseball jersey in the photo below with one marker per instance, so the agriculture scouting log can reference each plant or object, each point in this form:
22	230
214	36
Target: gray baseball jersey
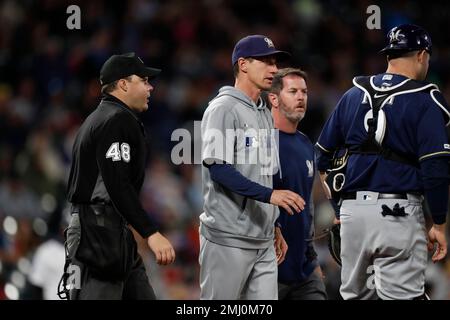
238	131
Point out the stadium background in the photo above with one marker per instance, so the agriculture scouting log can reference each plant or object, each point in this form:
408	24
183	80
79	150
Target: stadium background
49	84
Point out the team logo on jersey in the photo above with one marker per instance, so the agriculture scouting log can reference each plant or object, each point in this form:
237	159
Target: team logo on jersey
310	166
446	146
269	43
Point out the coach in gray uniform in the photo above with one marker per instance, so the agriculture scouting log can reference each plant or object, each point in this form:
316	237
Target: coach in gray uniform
237	255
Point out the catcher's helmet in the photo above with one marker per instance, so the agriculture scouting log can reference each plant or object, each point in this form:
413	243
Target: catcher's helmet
407	37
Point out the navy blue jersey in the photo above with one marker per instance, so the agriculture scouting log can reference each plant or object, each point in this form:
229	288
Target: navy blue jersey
415	127
296	174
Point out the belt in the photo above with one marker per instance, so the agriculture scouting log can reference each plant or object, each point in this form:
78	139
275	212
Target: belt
352	196
104	212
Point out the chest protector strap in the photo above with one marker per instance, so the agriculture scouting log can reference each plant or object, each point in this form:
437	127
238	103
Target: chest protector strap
376	119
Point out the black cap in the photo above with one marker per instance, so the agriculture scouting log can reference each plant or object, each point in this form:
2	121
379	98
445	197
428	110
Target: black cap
407	37
120	66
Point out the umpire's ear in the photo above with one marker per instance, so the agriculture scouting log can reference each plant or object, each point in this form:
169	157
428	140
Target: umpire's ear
273	98
122	84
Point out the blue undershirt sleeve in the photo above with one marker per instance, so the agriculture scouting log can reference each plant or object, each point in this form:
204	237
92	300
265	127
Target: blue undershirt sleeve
233	180
436	180
323	160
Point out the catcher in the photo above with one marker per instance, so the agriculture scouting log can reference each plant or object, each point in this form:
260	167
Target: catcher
394	127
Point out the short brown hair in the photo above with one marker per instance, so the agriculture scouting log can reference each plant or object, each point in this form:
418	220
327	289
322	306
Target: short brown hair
110	87
236	66
277	81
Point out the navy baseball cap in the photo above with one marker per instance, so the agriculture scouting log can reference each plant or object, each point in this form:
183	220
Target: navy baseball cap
407	37
120	66
256	46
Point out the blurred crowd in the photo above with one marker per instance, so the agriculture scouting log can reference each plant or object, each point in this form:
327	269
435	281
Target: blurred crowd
49	84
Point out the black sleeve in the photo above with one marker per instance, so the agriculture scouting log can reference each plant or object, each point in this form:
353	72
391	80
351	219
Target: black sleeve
435	174
114	164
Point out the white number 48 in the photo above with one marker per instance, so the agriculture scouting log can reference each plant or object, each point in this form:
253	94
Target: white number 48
116	155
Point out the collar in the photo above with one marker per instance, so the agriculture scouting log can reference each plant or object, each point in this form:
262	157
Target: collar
120	103
110	98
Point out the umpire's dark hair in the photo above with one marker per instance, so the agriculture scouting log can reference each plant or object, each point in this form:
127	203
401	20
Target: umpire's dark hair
277	81
110	87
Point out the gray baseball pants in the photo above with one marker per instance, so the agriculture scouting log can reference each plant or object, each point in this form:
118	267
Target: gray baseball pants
229	273
383	256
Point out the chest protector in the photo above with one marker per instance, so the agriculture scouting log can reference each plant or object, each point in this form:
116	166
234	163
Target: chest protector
375	124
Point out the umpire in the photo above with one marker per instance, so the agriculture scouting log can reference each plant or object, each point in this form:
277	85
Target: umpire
106	176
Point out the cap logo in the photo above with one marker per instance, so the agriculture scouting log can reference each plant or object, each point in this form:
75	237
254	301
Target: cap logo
269	43
396	36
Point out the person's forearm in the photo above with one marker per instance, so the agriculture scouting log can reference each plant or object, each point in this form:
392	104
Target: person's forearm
435	179
233	180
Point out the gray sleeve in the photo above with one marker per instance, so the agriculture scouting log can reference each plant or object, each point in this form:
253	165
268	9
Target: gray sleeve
218	134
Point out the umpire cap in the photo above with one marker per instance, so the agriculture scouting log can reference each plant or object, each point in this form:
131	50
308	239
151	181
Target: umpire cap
120	66
405	38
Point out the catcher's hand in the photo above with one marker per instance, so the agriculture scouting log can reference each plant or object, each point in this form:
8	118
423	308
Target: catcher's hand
334	242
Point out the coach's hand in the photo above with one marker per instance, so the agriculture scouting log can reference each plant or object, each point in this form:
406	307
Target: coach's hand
280	244
287	200
162	248
437	235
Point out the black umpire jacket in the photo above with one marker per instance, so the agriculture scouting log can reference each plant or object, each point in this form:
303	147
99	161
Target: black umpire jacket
108	165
